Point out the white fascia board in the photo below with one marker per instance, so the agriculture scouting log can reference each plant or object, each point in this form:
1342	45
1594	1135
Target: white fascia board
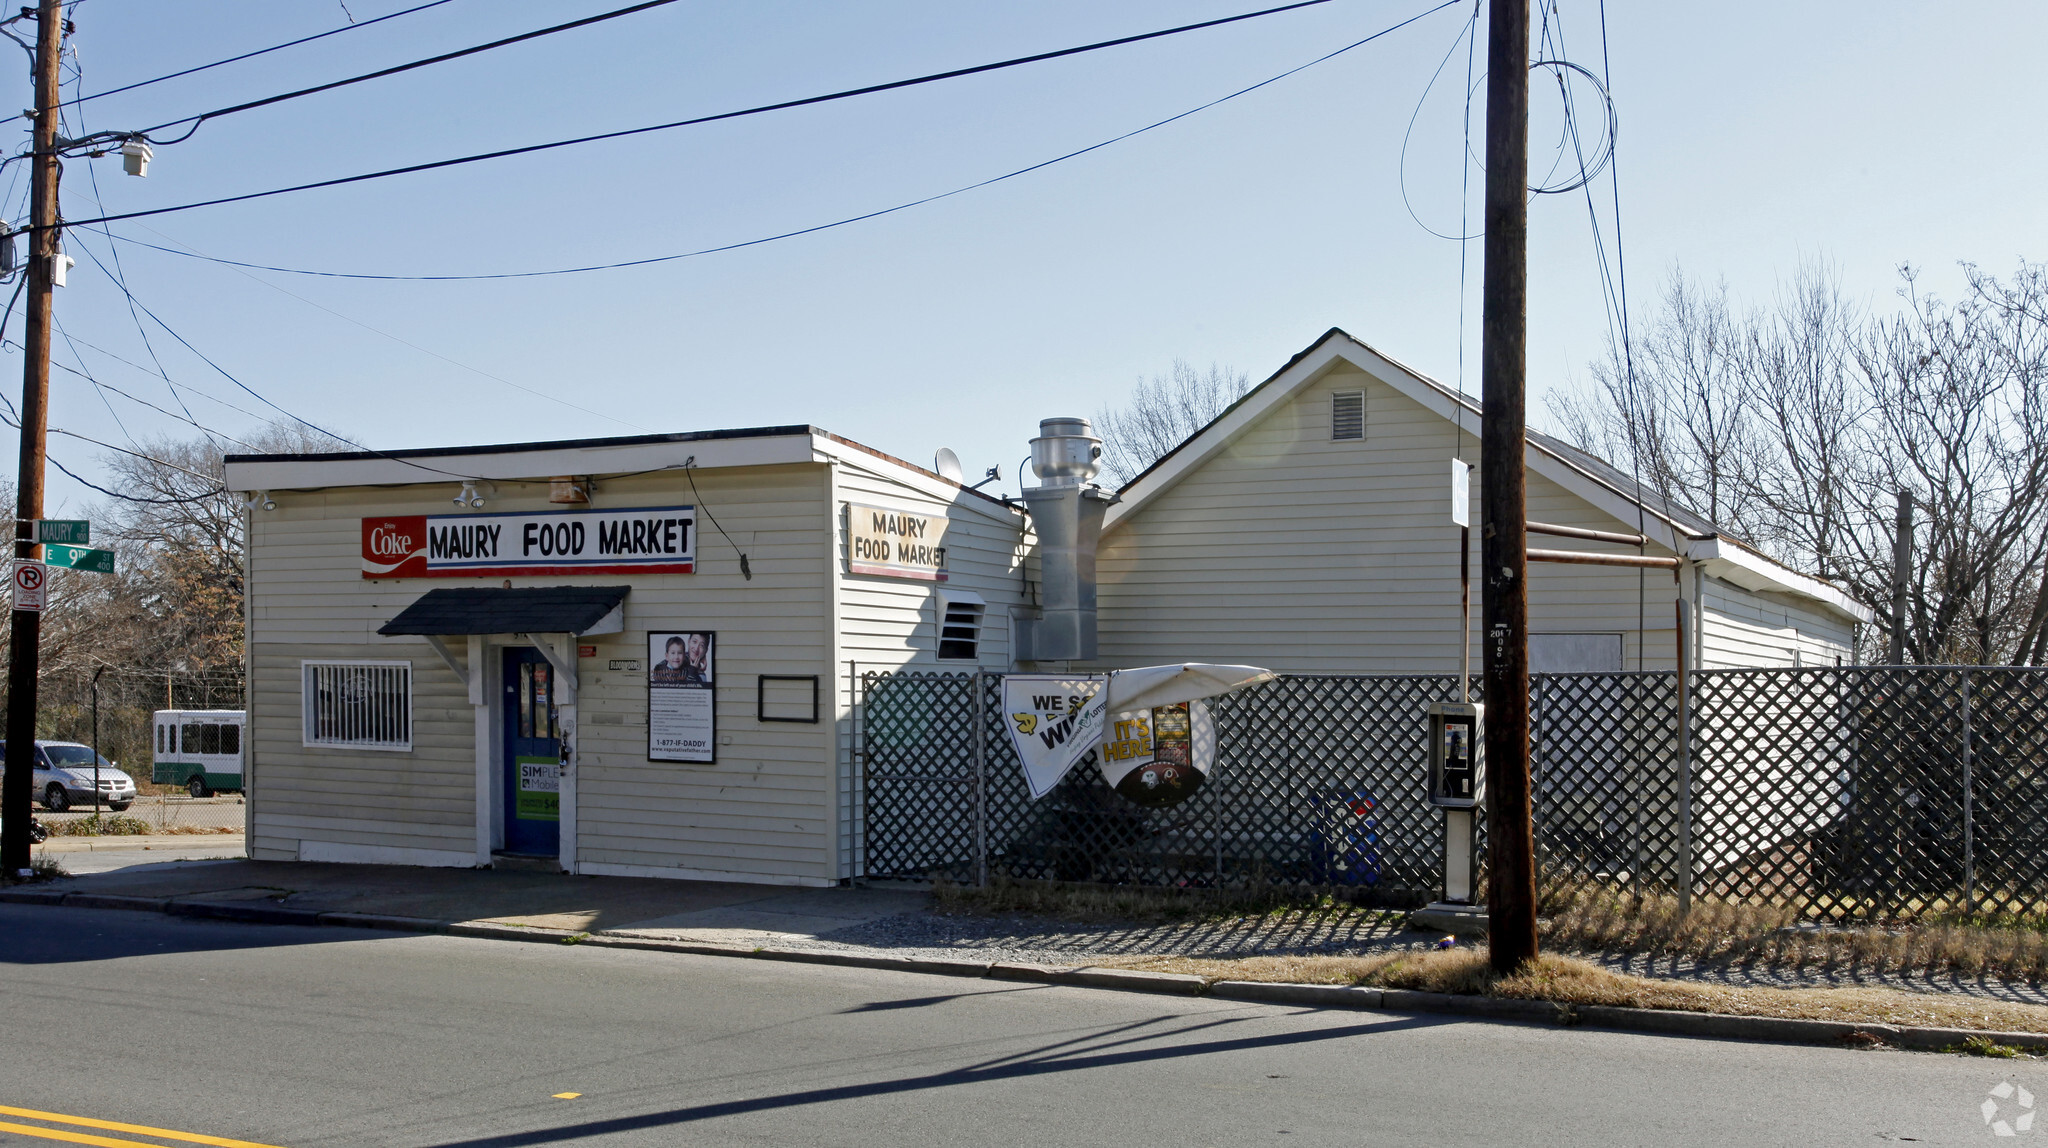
710	453
1212	440
1740	566
955	494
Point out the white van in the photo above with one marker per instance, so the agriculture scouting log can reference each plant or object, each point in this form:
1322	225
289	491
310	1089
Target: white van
199	749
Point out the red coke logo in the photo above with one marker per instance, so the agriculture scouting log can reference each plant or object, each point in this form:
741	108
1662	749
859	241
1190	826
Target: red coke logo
394	547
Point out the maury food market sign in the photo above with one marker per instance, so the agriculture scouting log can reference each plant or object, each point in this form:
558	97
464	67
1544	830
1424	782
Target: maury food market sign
659	539
895	543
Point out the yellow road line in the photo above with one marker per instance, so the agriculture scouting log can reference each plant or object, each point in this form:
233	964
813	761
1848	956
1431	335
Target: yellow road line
111	1126
69	1137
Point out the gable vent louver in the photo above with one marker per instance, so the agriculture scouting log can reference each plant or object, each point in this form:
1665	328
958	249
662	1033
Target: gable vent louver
1347	415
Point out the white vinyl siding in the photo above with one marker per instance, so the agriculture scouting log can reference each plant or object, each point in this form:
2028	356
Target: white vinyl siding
1742	628
1288	550
762	812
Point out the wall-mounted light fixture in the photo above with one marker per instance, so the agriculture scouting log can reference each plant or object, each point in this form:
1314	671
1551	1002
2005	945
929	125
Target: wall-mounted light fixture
469	497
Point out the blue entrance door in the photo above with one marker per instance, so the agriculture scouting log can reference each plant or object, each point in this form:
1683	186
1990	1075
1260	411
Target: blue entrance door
533	787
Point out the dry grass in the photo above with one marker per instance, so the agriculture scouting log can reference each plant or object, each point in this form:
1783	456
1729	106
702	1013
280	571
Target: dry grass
1597	920
1568	980
122	825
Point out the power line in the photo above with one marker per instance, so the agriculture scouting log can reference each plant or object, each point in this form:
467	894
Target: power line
120	277
192	253
806	230
254	54
243	411
198	120
758	110
90	378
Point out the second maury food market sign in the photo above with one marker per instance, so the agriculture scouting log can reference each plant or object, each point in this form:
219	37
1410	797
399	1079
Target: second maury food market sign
660	539
895	543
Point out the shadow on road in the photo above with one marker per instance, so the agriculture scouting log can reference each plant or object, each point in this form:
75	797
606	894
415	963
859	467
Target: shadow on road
35	935
1052	1060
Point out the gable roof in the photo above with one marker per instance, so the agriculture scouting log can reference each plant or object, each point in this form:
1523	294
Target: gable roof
1668	525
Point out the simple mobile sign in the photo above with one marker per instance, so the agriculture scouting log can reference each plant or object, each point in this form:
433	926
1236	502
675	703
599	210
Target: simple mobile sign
654	540
895	543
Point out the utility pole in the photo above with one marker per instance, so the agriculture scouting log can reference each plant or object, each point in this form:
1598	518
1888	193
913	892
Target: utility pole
1511	844
1902	575
17	789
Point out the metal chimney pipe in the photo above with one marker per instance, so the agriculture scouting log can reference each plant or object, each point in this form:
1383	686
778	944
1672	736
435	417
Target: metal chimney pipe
1066	510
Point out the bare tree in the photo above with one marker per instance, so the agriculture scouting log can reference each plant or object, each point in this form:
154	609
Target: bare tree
1796	425
1163	412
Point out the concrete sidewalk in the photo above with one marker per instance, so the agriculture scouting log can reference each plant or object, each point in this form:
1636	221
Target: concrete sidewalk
710	912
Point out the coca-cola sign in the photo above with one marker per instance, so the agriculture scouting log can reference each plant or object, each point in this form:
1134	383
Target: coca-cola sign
659	539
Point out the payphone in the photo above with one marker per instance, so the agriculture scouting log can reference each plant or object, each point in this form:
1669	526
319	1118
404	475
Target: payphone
1457	776
1457	785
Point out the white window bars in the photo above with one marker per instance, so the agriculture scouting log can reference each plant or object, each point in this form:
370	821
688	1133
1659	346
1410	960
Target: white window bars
358	704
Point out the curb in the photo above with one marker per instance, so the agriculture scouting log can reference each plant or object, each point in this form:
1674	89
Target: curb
1668	1022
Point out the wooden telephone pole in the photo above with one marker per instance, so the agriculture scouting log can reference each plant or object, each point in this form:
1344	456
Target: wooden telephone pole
17	790
1511	846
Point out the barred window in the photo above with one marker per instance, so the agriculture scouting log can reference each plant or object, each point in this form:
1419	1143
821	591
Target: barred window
358	705
1347	415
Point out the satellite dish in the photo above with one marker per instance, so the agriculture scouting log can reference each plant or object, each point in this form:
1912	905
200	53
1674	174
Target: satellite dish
948	465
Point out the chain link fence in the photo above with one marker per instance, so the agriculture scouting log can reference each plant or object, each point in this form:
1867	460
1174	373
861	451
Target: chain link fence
1863	792
112	709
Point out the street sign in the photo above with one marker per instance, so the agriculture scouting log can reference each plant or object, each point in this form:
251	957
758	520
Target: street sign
28	581
76	531
79	558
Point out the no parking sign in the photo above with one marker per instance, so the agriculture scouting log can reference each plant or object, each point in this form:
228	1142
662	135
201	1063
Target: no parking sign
30	579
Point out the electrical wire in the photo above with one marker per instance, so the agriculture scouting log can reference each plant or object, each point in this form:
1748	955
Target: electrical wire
243	411
1402	168
690	471
90	378
199	120
119	275
757	110
864	216
194	253
261	398
254	54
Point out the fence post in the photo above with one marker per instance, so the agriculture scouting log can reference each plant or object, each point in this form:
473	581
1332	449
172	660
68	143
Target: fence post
857	774
1969	809
980	779
1684	759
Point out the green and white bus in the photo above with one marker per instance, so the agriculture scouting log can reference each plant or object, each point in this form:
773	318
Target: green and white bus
200	750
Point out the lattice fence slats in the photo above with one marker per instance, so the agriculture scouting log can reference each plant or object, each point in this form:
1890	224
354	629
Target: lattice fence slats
1860	792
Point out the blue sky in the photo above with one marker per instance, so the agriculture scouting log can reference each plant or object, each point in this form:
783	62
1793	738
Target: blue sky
1753	136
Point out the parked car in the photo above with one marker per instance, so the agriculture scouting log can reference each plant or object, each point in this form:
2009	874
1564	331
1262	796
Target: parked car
64	777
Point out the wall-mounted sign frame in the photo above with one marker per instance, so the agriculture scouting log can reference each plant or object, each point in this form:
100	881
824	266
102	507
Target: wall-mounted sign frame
640	540
789	704
682	696
896	543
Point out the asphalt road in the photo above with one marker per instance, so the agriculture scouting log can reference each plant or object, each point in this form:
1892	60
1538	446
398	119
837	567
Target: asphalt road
317	1036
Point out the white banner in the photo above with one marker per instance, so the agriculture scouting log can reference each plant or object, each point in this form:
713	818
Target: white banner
1054	720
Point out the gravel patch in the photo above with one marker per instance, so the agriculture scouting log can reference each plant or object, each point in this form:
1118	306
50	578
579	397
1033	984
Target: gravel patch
1043	940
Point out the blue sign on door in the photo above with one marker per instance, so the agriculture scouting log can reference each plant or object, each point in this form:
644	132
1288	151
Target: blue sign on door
533	769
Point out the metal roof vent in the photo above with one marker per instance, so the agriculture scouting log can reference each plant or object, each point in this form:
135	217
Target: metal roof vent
1067	512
